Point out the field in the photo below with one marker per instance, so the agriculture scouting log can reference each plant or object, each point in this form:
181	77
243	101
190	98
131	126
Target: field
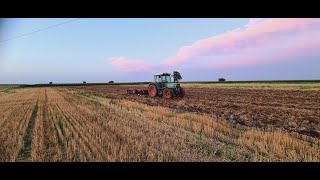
102	123
293	110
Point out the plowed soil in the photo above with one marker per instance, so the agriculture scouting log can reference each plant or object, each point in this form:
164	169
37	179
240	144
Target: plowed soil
292	110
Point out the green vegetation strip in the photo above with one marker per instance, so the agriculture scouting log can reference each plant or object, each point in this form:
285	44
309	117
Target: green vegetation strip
80	84
266	81
184	82
8	89
25	151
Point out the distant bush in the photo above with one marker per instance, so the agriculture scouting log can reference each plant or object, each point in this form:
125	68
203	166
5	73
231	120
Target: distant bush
84	82
50	82
222	79
111	82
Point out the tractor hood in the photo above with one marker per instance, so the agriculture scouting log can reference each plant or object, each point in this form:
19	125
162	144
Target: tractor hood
172	85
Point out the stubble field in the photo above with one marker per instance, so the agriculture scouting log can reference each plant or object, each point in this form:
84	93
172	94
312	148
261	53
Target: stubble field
102	123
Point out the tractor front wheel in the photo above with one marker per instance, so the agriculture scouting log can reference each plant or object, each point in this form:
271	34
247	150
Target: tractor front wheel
152	90
167	93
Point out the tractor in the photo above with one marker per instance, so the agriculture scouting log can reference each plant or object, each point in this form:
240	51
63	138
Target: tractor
163	86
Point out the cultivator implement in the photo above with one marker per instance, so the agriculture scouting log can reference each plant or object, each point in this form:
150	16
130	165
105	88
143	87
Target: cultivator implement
140	91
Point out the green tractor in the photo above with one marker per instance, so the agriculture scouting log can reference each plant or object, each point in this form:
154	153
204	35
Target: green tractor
164	86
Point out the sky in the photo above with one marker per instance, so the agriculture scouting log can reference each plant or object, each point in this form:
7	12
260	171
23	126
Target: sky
133	49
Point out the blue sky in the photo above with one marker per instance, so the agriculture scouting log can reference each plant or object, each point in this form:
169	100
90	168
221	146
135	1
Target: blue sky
124	50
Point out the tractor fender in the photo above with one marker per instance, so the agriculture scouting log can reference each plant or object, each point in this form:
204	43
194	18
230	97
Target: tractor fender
151	84
157	85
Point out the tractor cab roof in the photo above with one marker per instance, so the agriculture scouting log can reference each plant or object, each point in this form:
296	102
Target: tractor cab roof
163	74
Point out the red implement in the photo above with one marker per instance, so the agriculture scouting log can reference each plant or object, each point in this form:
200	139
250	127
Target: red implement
140	91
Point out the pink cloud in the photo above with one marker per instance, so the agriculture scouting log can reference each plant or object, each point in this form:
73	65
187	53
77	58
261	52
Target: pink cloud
261	41
126	64
297	48
259	34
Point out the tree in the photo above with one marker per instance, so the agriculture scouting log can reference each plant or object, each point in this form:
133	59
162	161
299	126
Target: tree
111	82
50	82
176	76
222	79
84	82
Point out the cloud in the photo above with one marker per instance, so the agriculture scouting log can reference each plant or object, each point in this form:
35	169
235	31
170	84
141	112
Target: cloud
258	35
260	41
129	65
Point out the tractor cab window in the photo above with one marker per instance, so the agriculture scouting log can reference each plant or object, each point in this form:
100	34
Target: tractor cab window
158	78
166	78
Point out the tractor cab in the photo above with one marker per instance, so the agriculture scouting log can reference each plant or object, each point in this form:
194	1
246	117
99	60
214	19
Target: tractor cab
162	79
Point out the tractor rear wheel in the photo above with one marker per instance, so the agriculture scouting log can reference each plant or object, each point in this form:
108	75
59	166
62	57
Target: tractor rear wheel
152	90
167	93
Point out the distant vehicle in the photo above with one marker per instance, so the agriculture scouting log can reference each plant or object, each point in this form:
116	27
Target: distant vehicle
222	79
